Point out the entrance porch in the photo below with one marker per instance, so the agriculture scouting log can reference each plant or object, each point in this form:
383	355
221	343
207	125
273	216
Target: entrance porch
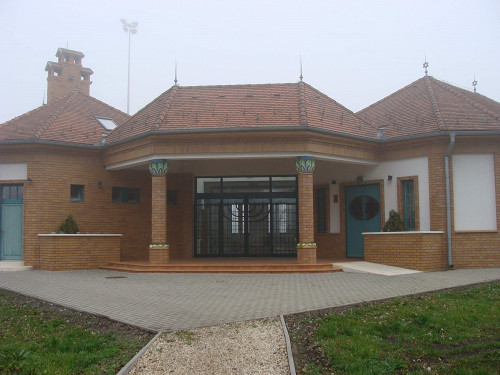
255	213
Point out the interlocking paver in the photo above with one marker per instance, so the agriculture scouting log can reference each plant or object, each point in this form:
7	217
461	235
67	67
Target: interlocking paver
186	301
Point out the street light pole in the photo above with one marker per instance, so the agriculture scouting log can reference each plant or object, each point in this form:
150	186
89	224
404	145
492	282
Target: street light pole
130	28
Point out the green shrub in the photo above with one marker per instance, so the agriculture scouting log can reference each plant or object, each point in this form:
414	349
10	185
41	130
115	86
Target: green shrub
394	223
69	226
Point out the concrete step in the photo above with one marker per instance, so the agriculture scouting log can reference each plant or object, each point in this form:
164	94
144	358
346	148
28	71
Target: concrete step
13	265
224	268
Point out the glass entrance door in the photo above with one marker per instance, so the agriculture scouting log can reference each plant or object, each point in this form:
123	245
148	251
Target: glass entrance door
246	216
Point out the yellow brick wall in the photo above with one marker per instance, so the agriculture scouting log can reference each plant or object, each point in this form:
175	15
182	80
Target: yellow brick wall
413	250
61	253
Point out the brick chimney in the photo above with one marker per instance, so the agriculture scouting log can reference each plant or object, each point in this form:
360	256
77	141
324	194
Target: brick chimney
67	74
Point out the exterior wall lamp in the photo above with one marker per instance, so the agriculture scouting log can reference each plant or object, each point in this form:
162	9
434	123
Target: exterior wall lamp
389	178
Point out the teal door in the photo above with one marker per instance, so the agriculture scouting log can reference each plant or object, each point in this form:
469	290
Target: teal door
11	222
362	215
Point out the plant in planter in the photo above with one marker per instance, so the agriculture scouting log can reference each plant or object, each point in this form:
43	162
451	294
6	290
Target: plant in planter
69	226
394	223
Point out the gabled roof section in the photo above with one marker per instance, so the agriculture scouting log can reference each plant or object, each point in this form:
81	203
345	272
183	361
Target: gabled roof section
70	119
231	107
429	105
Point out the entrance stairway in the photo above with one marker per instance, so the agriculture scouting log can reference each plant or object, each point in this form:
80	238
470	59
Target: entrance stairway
260	265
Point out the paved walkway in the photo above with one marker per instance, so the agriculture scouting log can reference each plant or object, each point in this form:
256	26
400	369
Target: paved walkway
186	301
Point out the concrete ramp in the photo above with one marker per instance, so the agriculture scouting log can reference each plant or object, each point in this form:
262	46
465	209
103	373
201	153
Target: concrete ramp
375	268
13	265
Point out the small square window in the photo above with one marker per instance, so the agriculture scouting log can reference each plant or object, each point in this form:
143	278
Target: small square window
76	193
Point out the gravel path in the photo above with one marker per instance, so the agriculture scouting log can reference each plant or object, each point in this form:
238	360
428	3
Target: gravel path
251	347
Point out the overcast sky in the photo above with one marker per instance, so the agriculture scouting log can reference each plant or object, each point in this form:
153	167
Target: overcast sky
356	52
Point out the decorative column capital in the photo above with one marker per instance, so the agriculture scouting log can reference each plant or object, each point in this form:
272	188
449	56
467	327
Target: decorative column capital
305	164
158	167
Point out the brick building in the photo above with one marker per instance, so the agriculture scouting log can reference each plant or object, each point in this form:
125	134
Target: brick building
271	170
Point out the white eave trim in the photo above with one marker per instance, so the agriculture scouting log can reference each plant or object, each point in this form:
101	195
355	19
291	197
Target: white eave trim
263	155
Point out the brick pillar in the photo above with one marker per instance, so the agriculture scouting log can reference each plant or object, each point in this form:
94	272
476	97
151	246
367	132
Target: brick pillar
306	248
158	250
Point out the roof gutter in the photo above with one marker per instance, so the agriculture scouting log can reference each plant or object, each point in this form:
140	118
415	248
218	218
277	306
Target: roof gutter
238	130
448	204
50	143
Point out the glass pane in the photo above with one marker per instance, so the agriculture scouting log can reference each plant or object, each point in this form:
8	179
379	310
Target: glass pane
409	205
245	184
5	192
116	195
356	208
76	192
13	192
284	184
208	185
132	195
20	190
321	199
372	207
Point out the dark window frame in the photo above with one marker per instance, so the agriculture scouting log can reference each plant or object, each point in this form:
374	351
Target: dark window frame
321	199
123	194
80	189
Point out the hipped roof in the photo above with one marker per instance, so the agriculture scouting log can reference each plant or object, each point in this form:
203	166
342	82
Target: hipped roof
429	105
238	107
69	119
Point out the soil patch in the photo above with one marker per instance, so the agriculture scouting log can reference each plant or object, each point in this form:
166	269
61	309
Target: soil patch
100	324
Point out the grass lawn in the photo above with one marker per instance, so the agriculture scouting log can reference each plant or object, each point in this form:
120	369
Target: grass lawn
40	338
448	332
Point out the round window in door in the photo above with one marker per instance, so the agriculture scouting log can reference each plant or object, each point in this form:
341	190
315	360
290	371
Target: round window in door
372	207
364	207
356	208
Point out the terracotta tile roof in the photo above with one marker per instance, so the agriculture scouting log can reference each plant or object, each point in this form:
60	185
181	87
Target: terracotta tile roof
242	106
429	105
68	119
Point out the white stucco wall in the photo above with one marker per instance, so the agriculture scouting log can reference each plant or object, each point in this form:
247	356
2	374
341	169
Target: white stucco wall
403	168
474	192
397	168
13	171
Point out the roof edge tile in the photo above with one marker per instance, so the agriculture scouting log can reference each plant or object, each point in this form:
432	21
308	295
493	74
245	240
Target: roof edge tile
434	103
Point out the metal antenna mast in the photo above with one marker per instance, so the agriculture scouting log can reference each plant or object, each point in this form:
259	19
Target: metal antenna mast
301	69
175	77
130	28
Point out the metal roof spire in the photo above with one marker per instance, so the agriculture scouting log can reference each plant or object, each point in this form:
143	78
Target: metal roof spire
301	69
474	83
426	65
175	77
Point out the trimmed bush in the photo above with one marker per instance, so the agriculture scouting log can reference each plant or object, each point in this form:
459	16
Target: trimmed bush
394	223
69	226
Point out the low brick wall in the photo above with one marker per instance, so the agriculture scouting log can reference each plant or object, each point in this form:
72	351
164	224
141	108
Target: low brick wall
424	251
61	252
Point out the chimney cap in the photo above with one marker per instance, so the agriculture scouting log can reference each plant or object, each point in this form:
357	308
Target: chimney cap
65	51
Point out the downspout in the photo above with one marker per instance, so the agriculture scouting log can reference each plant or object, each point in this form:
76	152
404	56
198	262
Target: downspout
448	203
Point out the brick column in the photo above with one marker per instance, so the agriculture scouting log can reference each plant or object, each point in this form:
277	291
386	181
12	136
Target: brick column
159	249
306	248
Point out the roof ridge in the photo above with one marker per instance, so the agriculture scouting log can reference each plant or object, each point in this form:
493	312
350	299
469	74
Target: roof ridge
390	95
163	114
434	103
237	85
54	116
105	104
302	105
475	104
342	106
29	113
